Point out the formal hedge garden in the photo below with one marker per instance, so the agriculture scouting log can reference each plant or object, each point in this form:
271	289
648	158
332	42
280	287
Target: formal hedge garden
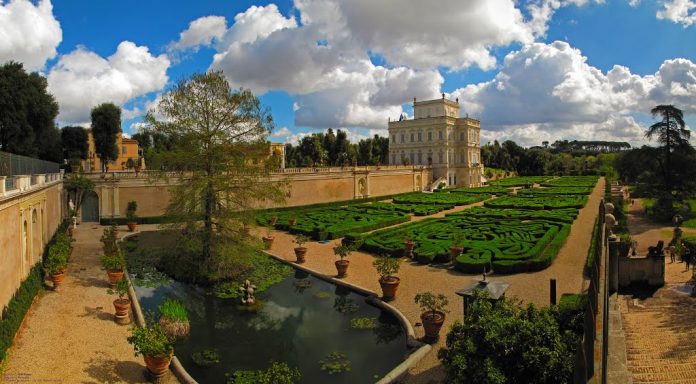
440	198
572	181
565	215
416	209
538	202
333	222
556	191
519	181
482	190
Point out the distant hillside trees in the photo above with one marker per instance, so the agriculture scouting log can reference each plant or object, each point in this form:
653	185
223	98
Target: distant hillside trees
27	114
334	149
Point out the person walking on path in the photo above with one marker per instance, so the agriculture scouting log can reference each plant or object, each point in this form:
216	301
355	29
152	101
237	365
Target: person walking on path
672	251
687	256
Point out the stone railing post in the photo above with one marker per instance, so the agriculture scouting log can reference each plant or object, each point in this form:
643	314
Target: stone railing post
2	185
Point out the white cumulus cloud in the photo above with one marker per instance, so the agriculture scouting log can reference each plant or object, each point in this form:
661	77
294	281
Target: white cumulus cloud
201	31
678	11
82	79
29	33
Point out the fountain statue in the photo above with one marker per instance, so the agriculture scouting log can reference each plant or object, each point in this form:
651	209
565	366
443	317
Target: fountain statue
248	292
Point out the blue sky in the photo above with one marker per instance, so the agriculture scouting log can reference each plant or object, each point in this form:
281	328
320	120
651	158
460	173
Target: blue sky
531	71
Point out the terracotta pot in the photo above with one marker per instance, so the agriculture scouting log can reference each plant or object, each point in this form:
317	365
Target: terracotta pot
342	267
455	251
293	221
132	226
300	253
408	248
432	322
115	275
268	241
57	279
122	307
274	220
389	285
158	365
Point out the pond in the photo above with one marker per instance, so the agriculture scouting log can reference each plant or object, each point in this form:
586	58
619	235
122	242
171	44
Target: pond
300	321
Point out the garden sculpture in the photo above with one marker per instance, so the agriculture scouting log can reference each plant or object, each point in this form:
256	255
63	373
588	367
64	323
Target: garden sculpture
248	292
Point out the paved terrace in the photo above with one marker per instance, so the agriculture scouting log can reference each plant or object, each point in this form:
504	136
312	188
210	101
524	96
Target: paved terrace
660	324
70	336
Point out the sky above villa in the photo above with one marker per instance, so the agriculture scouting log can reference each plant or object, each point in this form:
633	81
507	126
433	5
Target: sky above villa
531	71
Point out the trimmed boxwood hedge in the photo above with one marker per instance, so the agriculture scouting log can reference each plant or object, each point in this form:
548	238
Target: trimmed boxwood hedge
538	202
572	181
556	191
416	209
440	198
519	181
18	306
564	215
480	190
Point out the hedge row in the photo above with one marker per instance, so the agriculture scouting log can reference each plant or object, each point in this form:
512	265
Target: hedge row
18	306
440	198
535	202
331	223
572	181
556	191
565	215
416	209
519	181
487	190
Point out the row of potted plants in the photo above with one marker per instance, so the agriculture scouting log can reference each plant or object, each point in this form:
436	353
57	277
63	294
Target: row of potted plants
56	262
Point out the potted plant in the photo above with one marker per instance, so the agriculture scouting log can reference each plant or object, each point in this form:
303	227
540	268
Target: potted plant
409	245
174	318
154	344
386	267
268	239
301	251
292	221
131	217
342	252
122	304
456	248
433	313
274	220
56	265
114	264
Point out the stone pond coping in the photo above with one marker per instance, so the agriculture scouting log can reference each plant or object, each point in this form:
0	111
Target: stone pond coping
372	299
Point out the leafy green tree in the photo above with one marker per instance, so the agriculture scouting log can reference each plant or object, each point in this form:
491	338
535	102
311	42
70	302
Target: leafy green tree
75	146
77	187
219	146
106	125
671	133
27	114
508	343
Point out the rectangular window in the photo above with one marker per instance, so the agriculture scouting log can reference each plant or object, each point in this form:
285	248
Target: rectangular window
402	137
461	136
420	136
420	158
430	136
439	135
394	139
439	157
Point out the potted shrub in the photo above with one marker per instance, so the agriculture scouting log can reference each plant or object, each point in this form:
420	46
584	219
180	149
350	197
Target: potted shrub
56	265
114	229
301	251
114	264
433	315
174	318
342	252
386	267
154	344
122	304
274	220
409	245
292	221
268	239
456	248
132	218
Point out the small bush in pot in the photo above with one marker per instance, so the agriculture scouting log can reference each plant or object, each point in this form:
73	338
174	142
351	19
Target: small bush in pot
56	265
433	315
386	267
114	265
174	318
156	347
131	217
456	248
122	304
300	251
268	239
409	245
342	252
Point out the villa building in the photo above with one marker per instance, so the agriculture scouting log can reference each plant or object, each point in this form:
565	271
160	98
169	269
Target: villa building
128	149
438	137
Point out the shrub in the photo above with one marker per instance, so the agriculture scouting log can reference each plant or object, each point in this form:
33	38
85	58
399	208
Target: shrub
386	266
151	340
120	289
428	302
13	314
130	211
507	343
173	310
57	259
114	262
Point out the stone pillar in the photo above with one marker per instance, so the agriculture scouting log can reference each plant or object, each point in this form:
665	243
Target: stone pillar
613	266
2	185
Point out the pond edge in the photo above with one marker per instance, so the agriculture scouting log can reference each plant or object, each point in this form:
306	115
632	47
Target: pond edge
373	299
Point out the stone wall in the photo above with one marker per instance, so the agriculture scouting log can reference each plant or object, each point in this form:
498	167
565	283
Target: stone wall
305	186
29	218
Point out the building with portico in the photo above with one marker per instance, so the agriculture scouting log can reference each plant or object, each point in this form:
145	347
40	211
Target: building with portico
438	137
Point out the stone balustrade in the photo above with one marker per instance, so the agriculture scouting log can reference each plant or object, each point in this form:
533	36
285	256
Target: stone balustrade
14	185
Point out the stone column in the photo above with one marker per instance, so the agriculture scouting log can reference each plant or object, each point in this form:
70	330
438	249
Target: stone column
2	185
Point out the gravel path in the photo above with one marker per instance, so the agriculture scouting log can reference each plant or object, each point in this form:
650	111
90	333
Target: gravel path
567	269
70	335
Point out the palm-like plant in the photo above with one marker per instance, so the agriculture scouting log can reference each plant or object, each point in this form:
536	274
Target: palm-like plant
671	132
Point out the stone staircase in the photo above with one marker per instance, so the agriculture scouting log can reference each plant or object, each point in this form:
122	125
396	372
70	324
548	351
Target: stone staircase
660	336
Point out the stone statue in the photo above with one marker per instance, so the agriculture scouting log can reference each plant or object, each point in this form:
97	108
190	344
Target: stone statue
248	292
71	205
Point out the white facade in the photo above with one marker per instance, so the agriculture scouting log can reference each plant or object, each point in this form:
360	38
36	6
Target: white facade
437	136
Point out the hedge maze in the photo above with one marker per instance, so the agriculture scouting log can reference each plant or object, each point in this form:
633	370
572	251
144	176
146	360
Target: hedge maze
520	181
440	198
572	181
538	202
487	190
556	191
